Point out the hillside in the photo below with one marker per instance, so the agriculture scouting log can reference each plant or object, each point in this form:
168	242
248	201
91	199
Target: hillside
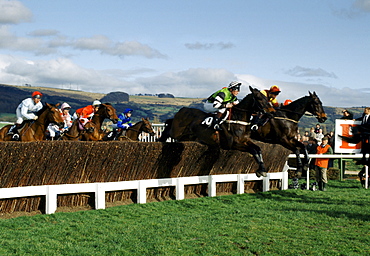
157	109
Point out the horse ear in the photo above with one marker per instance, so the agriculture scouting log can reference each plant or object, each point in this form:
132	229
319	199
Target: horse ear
143	119
57	105
310	93
250	88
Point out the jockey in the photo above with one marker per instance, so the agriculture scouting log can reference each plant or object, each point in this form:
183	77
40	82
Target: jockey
67	118
287	102
85	114
271	95
124	122
124	119
26	111
220	101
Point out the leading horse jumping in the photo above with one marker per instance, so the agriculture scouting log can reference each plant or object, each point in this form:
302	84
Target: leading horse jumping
235	134
282	128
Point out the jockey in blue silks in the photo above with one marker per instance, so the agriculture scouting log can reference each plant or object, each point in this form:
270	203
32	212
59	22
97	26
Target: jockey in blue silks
124	119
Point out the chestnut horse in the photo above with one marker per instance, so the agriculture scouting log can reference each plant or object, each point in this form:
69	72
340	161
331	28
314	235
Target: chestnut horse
282	128
235	134
133	132
35	130
92	130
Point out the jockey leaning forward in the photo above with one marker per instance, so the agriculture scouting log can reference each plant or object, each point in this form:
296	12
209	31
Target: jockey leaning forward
220	101
124	122
85	114
26	110
261	119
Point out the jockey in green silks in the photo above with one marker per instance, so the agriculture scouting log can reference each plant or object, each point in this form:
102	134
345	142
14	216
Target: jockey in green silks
220	101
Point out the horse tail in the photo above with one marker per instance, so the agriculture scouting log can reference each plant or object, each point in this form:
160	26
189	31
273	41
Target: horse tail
166	132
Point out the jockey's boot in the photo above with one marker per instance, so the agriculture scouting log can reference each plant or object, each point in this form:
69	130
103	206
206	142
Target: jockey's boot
12	129
217	121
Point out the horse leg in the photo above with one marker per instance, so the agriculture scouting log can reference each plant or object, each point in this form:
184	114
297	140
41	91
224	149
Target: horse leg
254	150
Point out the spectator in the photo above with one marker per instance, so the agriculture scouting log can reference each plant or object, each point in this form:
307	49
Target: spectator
331	140
347	115
317	128
305	136
319	136
312	149
364	131
321	164
312	132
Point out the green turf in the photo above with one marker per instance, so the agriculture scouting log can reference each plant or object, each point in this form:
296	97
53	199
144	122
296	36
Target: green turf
291	222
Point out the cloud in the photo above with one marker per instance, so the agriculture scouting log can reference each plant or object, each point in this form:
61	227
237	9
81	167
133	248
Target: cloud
41	46
208	46
14	12
44	32
362	5
357	9
194	83
299	71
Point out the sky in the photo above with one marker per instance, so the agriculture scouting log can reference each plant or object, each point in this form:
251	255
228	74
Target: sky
190	48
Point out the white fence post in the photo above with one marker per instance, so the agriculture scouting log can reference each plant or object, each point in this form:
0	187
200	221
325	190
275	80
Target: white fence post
180	193
266	183
141	192
240	184
51	200
211	186
99	197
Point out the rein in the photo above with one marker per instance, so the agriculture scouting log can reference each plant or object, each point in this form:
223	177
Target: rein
284	118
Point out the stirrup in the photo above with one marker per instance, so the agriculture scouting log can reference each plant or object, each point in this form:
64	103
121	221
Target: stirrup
254	127
217	127
15	137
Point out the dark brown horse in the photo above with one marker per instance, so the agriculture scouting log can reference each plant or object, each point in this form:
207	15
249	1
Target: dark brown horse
34	130
92	130
235	134
133	132
282	128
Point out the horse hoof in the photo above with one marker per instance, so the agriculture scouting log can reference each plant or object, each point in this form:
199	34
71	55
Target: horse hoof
261	173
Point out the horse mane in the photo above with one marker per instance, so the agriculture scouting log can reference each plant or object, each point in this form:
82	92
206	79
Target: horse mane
295	103
245	101
44	107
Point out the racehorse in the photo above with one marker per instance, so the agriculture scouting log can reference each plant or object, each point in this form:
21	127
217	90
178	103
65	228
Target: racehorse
282	128
133	132
34	130
92	130
235	134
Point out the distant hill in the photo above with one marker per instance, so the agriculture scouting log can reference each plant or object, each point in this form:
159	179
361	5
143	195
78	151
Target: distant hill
158	109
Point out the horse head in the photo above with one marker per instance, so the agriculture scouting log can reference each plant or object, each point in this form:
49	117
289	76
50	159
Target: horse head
315	107
106	110
147	126
52	115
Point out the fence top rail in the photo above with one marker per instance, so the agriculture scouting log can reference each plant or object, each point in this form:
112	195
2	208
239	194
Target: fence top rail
336	156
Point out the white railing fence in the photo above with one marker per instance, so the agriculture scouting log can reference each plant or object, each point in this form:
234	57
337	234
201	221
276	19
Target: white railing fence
51	192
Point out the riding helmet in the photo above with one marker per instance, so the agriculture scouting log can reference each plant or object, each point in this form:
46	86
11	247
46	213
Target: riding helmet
37	95
96	103
235	86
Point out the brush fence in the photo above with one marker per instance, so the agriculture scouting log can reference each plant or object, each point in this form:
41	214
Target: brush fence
41	176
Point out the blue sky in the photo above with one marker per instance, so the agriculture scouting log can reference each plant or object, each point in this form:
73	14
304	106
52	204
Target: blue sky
190	48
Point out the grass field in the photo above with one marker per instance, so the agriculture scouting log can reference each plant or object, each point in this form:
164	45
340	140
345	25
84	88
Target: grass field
291	222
